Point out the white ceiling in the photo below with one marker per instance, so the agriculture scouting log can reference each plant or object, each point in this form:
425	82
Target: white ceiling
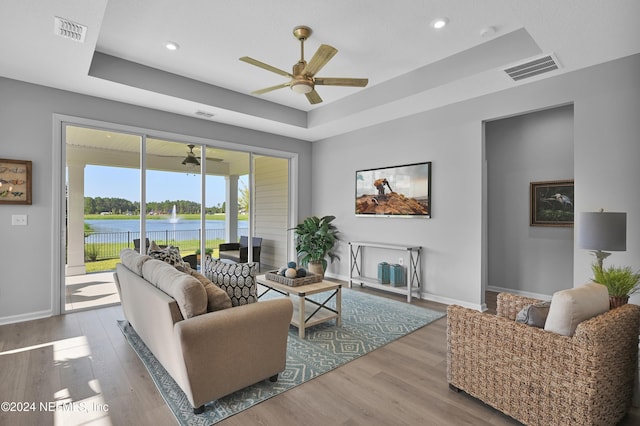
410	66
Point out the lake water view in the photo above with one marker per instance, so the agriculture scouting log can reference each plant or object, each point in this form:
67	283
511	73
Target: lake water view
123	229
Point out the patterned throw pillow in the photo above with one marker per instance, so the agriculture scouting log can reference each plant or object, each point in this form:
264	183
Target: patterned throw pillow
237	279
171	255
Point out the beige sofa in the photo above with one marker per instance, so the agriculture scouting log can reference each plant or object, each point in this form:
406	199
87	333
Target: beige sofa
208	354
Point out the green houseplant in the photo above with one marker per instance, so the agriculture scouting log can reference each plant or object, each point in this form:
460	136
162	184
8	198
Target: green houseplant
315	240
207	251
621	282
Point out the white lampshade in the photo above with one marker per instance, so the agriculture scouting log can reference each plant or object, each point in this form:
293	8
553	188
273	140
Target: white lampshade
606	231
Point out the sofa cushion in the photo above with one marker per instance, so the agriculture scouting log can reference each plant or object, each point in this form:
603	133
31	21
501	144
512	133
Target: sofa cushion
188	292
171	255
570	307
133	260
217	298
534	315
236	279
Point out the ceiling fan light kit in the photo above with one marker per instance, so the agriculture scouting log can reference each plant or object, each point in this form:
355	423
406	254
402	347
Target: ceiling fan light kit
302	86
190	160
302	79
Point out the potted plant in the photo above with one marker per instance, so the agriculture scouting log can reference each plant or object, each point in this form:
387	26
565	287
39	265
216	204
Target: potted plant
621	282
207	251
315	239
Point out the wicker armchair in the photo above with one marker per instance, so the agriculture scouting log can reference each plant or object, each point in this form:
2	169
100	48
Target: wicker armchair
542	378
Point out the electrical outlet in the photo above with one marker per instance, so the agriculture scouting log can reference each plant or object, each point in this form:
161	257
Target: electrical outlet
19	219
401	261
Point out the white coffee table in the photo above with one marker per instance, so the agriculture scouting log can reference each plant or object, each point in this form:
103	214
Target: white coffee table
320	312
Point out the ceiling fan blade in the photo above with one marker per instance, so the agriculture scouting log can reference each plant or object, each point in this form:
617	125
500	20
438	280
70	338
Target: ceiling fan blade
320	59
331	81
269	89
265	66
353	82
214	159
313	97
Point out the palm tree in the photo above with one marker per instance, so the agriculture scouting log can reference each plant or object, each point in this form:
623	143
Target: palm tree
243	198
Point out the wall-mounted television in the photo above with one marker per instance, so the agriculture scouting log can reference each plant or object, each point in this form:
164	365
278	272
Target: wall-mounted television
396	191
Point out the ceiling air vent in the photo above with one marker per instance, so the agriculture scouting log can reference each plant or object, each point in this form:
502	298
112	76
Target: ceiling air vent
68	29
532	68
204	114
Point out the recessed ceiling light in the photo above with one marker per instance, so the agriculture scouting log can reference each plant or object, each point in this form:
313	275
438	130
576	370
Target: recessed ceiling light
172	45
440	23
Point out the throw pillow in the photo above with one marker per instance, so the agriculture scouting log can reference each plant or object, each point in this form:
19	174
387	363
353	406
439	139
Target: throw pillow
188	292
570	307
171	255
217	299
534	315
153	247
237	280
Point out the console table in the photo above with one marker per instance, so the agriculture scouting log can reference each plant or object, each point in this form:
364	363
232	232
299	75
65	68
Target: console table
356	250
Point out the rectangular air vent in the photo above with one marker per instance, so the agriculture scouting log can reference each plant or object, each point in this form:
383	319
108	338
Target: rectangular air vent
204	114
532	68
68	29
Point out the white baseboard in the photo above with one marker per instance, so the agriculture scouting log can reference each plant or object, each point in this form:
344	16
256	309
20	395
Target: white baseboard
519	292
25	317
428	296
449	301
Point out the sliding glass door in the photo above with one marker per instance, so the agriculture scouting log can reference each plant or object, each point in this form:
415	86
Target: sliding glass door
130	190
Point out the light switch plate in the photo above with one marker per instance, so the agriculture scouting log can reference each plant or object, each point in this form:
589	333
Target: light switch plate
19	219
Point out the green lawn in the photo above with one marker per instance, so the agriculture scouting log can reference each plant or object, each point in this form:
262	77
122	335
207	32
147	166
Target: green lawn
110	264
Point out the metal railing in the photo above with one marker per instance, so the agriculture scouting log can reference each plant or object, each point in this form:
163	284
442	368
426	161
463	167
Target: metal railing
107	245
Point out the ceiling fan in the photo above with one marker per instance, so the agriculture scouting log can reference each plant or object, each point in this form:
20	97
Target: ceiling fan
191	159
303	78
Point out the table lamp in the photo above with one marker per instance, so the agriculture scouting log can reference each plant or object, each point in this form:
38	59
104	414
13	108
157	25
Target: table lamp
601	232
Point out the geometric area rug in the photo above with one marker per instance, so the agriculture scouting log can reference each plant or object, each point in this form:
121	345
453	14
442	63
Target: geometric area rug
368	322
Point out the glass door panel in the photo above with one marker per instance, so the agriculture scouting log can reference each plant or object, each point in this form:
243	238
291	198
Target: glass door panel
173	196
102	208
226	177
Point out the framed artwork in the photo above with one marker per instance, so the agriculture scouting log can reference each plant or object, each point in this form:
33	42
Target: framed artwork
552	203
15	181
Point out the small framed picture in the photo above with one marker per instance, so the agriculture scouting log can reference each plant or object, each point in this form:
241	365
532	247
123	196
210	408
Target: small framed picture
551	203
15	181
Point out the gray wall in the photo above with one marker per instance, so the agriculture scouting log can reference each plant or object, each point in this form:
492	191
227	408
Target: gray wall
26	123
606	101
519	150
451	240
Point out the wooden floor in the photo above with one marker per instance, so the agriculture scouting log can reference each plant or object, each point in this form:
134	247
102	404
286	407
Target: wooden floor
82	363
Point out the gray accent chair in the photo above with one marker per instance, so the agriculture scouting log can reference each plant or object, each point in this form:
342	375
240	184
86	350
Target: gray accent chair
239	252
